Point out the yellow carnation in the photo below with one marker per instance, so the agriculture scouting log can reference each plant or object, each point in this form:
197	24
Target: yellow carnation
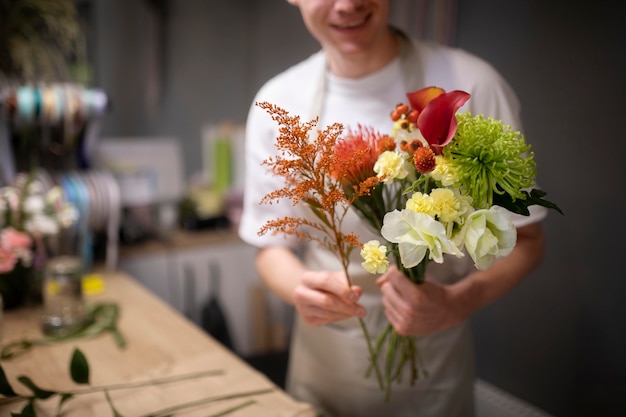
391	165
375	257
446	205
421	203
443	172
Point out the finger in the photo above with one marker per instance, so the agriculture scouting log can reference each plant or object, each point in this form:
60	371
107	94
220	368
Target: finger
381	280
317	316
391	299
391	286
333	283
398	280
397	321
392	272
305	296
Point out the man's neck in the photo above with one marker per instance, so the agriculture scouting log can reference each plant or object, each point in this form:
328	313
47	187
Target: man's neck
362	64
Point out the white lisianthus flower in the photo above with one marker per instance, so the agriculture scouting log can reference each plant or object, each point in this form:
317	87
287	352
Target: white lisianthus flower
391	165
375	257
489	234
415	233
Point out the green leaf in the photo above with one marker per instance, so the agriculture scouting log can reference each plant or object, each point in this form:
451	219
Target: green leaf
5	387
13	349
39	393
520	206
79	368
537	197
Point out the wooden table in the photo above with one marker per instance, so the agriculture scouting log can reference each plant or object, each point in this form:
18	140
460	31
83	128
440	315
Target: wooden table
160	342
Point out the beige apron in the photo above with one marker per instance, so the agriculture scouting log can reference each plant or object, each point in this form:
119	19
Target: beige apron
327	364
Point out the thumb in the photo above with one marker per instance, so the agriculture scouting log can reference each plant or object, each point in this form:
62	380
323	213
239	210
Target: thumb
386	277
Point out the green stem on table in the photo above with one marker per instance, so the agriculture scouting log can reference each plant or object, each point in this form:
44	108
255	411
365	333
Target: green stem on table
169	410
101	318
233	409
139	384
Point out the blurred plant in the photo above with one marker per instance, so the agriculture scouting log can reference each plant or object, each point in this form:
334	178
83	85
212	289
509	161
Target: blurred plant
28	214
41	40
29	218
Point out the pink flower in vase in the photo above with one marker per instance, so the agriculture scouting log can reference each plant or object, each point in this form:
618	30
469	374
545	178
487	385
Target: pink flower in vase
14	239
7	260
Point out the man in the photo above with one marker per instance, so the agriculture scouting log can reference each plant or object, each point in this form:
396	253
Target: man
363	70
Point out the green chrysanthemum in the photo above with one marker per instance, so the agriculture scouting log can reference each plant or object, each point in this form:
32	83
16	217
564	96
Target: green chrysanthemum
490	158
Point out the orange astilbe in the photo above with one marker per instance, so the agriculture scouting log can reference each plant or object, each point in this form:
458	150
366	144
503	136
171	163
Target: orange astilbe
306	166
309	168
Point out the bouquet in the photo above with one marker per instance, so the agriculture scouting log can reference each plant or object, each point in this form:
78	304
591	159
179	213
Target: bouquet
29	215
439	183
443	190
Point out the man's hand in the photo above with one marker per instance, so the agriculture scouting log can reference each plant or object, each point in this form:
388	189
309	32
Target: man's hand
325	297
417	310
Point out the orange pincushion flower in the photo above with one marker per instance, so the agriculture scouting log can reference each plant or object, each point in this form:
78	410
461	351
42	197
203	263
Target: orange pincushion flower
357	153
424	159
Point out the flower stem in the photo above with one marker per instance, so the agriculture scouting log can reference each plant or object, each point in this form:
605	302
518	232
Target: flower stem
373	362
344	263
139	384
233	409
170	410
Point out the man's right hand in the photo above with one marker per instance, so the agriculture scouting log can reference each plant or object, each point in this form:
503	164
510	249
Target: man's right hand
325	297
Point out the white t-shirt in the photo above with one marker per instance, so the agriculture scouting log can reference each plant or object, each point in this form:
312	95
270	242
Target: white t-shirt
327	363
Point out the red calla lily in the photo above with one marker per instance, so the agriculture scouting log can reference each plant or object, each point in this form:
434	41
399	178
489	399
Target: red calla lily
437	120
419	99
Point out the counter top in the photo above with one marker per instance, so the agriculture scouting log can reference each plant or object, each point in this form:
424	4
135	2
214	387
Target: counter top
160	343
181	239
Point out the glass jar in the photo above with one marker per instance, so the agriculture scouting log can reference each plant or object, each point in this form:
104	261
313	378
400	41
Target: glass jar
63	309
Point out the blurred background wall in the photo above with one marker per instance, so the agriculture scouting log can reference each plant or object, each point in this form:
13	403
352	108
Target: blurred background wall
559	339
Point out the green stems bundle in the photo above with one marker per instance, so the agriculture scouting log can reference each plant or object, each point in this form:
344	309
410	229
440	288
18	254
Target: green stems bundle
80	373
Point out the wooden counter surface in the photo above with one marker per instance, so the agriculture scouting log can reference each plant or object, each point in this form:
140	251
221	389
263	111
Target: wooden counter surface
180	239
160	342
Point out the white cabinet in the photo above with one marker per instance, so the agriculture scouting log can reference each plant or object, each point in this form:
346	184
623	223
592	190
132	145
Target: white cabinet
187	276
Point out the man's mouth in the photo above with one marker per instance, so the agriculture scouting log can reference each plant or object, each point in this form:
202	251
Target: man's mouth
352	24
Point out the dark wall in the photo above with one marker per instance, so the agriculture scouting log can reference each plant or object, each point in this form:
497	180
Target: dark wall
559	339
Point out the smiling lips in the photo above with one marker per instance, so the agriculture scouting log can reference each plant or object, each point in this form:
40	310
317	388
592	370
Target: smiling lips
352	24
